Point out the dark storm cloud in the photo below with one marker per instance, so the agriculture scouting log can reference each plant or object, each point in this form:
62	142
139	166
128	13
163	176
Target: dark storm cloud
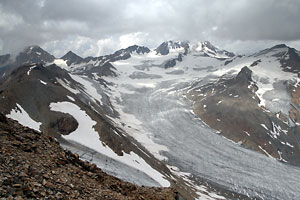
96	26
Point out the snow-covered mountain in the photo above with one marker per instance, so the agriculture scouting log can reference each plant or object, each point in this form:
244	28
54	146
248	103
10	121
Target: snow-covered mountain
196	48
185	114
207	49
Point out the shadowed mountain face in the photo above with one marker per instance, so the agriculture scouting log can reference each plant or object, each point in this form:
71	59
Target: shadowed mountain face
30	55
72	58
34	54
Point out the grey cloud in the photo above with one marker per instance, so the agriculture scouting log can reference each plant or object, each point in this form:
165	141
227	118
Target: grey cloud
229	23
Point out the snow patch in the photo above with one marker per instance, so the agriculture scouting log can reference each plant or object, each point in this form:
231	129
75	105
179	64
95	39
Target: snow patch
66	84
71	98
86	135
246	133
61	63
43	82
265	152
23	118
30	69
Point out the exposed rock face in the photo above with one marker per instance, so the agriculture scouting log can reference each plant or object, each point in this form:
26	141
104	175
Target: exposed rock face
291	61
64	125
231	106
172	62
3	119
34	166
124	54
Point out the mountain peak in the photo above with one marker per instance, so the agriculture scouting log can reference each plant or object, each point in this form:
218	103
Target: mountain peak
34	54
72	58
124	54
165	47
206	48
32	49
138	49
279	46
70	53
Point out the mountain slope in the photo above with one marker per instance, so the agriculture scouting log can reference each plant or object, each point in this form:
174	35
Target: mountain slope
25	173
36	90
254	108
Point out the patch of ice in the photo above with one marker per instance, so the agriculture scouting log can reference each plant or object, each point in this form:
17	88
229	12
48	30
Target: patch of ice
263	125
71	98
288	144
31	68
265	152
61	63
149	85
43	82
246	133
23	118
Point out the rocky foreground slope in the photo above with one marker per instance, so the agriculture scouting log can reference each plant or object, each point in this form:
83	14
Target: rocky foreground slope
34	166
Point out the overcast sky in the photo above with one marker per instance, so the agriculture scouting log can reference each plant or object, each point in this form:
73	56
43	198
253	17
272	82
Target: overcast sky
98	27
